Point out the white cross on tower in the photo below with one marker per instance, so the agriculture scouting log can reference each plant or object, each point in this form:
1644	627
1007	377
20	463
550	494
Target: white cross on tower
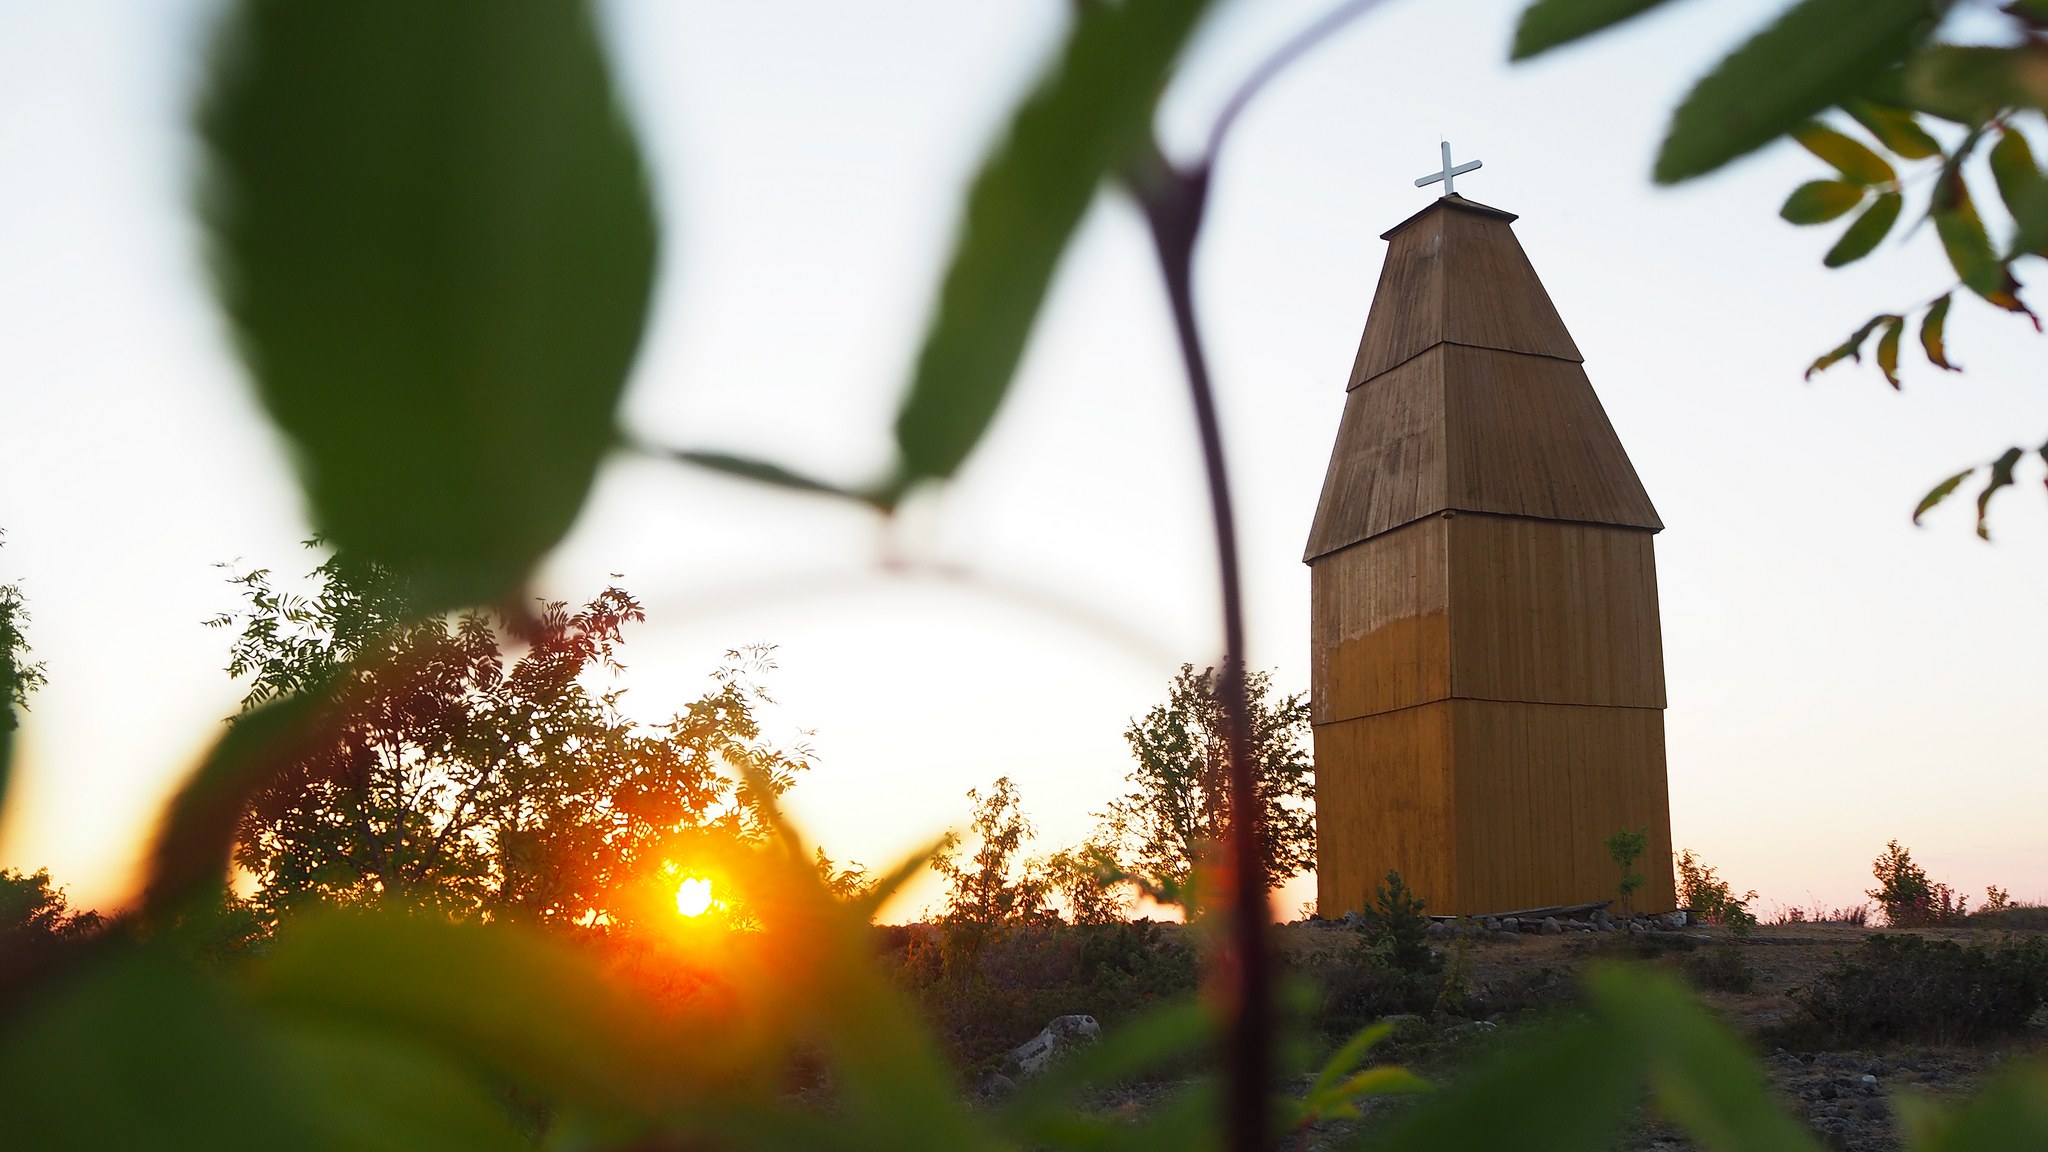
1448	174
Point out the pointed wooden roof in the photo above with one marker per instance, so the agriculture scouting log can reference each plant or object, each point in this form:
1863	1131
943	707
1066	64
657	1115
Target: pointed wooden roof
1468	394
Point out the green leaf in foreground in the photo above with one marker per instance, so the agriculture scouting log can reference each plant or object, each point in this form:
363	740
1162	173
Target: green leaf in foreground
1087	117
1567	1090
1547	24
2011	1115
1939	492
2023	188
1895	128
1865	233
1849	156
1816	55
431	229
1967	244
137	1051
1704	1078
1932	327
1818	201
190	857
764	472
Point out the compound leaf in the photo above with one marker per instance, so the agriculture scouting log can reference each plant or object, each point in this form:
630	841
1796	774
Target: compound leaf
432	232
1816	55
1850	349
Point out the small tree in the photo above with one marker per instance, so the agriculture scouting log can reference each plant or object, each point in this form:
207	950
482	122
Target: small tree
1625	848
1395	927
1180	798
34	913
1086	879
995	886
19	676
1909	899
1708	897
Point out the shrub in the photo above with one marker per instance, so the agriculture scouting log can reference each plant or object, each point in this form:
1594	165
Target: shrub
1722	968
1857	915
1625	848
1023	976
1931	991
1709	897
1908	898
1395	929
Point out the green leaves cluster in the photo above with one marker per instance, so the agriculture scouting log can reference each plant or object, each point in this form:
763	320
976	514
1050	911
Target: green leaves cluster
1877	65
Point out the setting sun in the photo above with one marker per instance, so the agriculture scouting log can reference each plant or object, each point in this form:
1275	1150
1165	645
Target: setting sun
693	898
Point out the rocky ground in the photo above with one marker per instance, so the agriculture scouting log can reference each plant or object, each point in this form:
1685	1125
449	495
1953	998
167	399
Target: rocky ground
1844	1095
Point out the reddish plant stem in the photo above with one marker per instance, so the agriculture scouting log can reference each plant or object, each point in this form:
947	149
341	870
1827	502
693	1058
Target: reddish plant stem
1173	201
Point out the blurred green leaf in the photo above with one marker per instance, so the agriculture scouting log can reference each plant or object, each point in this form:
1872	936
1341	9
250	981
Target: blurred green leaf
1348	1057
1864	234
1888	350
1849	349
1818	201
764	472
1568	1089
1087	117
1974	84
136	1050
1939	492
2010	1115
2001	477
1849	156
1816	55
1547	24
505	1001
1705	1079
431	228
1895	128
1964	239
196	838
2024	190
369	1093
1932	327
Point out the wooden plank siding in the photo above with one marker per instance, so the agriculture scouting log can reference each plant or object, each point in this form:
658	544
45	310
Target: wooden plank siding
1385	791
1475	430
1487	665
1455	272
1379	624
1552	612
1541	787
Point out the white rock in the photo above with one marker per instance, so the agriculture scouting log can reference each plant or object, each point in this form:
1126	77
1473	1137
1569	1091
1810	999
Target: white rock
1063	1035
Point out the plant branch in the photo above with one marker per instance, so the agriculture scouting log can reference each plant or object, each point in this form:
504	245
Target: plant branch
1282	58
1173	201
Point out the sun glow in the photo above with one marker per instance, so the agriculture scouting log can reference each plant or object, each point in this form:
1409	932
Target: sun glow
693	898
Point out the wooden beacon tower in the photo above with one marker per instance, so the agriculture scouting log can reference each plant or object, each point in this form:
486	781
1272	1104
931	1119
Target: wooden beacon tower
1487	672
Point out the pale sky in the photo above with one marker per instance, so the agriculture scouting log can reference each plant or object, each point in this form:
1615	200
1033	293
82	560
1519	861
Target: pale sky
1837	677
